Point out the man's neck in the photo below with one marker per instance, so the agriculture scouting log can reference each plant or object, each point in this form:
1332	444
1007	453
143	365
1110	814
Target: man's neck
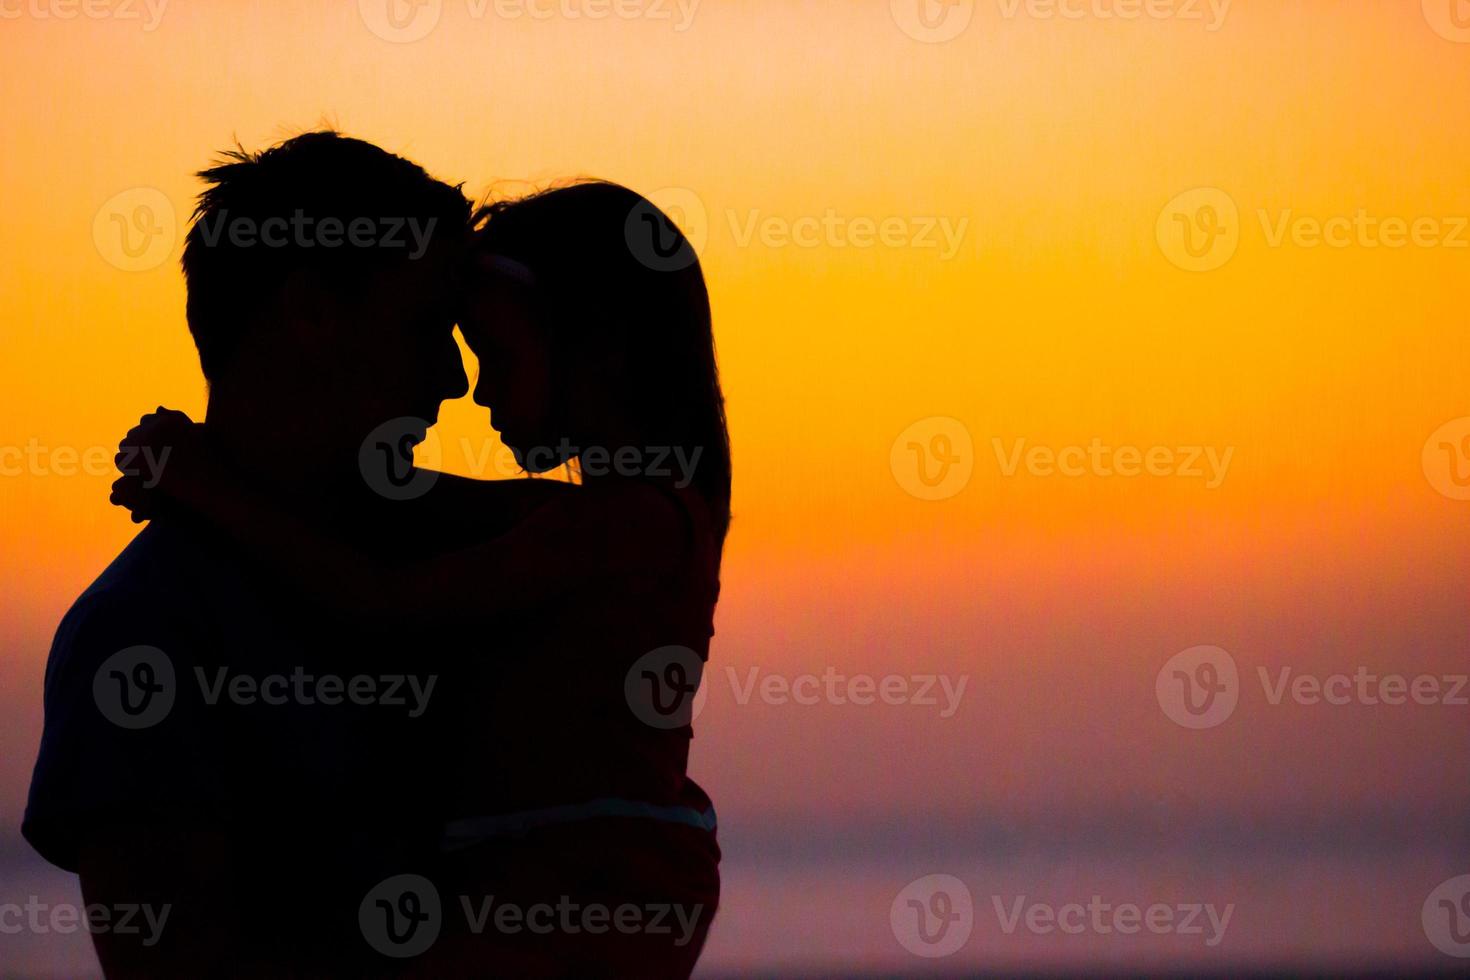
270	454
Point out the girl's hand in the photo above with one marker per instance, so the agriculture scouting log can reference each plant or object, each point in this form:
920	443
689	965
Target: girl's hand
163	456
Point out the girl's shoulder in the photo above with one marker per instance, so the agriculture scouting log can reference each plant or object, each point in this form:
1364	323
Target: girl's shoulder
488	507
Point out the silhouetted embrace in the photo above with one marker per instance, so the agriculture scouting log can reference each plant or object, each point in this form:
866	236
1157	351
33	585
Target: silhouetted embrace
341	715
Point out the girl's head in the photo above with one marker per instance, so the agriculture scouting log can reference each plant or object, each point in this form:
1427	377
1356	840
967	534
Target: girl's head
590	318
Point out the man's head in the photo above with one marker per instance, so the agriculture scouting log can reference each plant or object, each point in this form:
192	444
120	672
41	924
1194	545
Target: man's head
320	276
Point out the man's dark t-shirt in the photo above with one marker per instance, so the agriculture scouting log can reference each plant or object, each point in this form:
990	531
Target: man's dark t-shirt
158	708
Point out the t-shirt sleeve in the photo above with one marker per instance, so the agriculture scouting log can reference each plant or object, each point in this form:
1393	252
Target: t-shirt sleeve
112	746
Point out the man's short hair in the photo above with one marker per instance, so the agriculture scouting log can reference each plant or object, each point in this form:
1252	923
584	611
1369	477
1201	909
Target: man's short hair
324	202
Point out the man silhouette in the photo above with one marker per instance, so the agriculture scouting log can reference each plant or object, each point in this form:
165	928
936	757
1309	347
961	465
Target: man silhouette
198	759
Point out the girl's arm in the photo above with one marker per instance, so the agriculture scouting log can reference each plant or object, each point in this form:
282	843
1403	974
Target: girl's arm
575	540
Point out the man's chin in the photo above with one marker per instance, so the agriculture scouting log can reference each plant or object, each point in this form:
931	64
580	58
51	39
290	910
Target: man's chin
417	425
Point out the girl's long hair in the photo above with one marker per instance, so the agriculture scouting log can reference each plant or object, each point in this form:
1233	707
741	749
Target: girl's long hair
612	273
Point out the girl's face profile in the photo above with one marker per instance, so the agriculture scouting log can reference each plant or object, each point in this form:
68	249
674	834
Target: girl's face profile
501	328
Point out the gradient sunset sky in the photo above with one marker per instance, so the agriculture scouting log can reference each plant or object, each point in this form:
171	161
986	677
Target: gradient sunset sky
1060	312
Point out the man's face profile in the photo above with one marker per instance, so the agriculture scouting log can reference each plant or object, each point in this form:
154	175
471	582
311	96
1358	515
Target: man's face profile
378	351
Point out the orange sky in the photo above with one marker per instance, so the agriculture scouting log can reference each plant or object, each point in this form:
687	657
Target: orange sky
1058	317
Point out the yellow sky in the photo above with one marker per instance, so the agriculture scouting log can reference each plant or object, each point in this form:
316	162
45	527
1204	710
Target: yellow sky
1048	147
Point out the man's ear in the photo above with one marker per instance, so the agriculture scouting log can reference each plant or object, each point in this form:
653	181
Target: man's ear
309	316
305	298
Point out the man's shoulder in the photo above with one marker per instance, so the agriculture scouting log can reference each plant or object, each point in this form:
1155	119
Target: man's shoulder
92	760
145	595
160	558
